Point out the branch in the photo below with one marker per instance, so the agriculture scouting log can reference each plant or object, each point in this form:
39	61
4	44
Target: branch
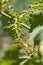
28	27
5	14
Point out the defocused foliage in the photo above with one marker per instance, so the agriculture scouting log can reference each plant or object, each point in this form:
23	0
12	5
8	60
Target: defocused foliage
26	29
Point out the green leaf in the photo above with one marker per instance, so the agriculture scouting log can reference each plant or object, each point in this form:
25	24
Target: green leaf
12	56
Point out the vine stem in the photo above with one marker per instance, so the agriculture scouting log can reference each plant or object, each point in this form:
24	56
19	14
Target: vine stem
5	14
28	27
